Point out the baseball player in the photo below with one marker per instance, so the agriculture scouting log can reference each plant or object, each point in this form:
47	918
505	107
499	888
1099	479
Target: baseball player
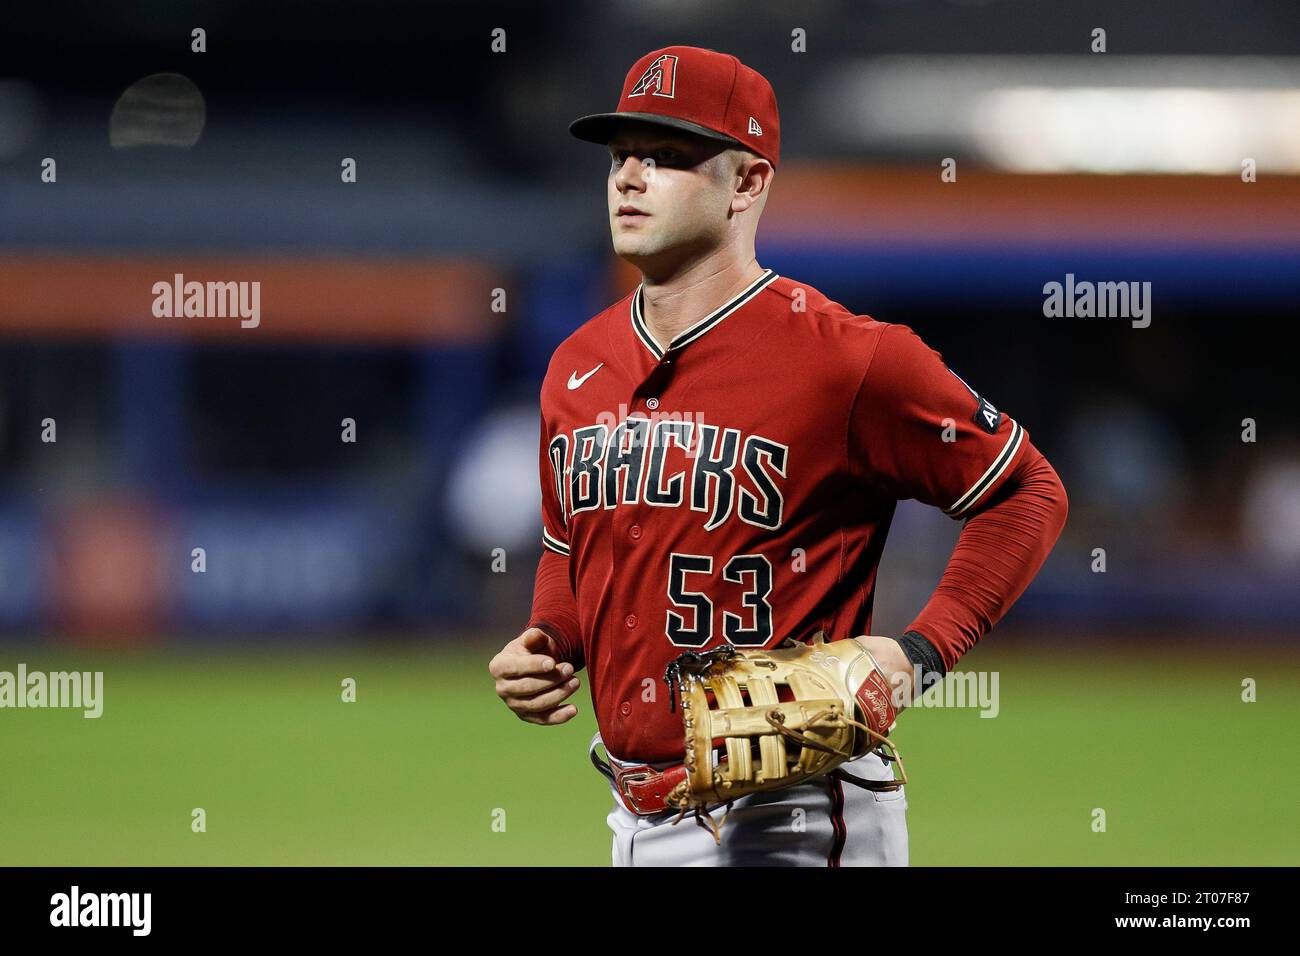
721	454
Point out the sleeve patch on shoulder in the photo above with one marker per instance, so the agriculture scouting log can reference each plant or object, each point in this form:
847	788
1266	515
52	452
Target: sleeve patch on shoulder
986	415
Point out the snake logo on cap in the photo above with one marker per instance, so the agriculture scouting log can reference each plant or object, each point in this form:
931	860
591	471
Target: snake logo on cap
661	74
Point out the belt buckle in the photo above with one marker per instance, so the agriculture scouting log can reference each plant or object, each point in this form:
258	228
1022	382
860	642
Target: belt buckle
625	780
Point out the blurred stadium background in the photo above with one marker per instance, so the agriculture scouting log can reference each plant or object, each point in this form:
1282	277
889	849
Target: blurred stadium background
375	559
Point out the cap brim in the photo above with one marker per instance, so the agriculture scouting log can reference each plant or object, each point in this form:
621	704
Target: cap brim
599	127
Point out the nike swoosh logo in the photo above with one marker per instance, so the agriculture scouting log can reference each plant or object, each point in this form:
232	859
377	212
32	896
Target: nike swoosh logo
576	382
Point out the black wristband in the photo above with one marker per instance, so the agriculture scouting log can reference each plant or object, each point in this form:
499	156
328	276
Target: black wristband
923	654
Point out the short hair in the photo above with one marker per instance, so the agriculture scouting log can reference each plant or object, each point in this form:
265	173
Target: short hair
729	159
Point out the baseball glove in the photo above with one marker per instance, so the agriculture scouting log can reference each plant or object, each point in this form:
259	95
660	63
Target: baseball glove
784	716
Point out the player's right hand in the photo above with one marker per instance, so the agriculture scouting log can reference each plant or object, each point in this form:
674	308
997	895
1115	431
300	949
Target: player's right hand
532	680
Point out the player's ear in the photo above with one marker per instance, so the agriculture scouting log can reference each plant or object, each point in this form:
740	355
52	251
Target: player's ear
754	178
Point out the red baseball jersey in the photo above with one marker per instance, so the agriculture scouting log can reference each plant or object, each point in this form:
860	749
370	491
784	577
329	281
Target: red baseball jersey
739	485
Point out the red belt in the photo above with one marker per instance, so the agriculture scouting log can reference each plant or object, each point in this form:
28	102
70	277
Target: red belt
641	787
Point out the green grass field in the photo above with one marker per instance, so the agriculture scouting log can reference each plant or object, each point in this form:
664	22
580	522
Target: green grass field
414	771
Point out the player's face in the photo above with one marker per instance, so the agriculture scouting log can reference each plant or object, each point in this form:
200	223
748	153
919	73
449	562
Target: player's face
668	198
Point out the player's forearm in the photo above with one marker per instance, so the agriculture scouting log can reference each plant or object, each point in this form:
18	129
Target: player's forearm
554	609
998	553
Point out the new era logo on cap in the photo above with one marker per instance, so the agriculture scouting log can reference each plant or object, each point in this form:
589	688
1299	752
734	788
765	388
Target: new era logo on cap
699	91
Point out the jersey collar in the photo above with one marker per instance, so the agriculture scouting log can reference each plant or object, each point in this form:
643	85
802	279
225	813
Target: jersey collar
699	328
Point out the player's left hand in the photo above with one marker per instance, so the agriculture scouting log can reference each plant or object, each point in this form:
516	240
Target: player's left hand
893	660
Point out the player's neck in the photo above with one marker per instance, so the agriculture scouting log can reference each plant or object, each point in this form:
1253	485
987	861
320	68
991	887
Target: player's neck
671	304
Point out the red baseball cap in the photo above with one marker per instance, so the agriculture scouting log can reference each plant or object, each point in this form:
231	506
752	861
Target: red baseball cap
700	91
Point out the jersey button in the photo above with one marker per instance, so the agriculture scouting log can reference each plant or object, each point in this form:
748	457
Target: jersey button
630	621
634	532
652	403
625	708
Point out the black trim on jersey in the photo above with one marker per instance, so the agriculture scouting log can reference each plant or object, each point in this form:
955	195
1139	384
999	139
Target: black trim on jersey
555	544
990	477
699	328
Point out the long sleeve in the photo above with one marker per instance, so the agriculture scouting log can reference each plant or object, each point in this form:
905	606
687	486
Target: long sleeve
555	610
1000	549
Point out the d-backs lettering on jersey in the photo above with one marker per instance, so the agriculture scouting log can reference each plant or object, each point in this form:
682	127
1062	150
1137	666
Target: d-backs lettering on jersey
600	467
738	485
